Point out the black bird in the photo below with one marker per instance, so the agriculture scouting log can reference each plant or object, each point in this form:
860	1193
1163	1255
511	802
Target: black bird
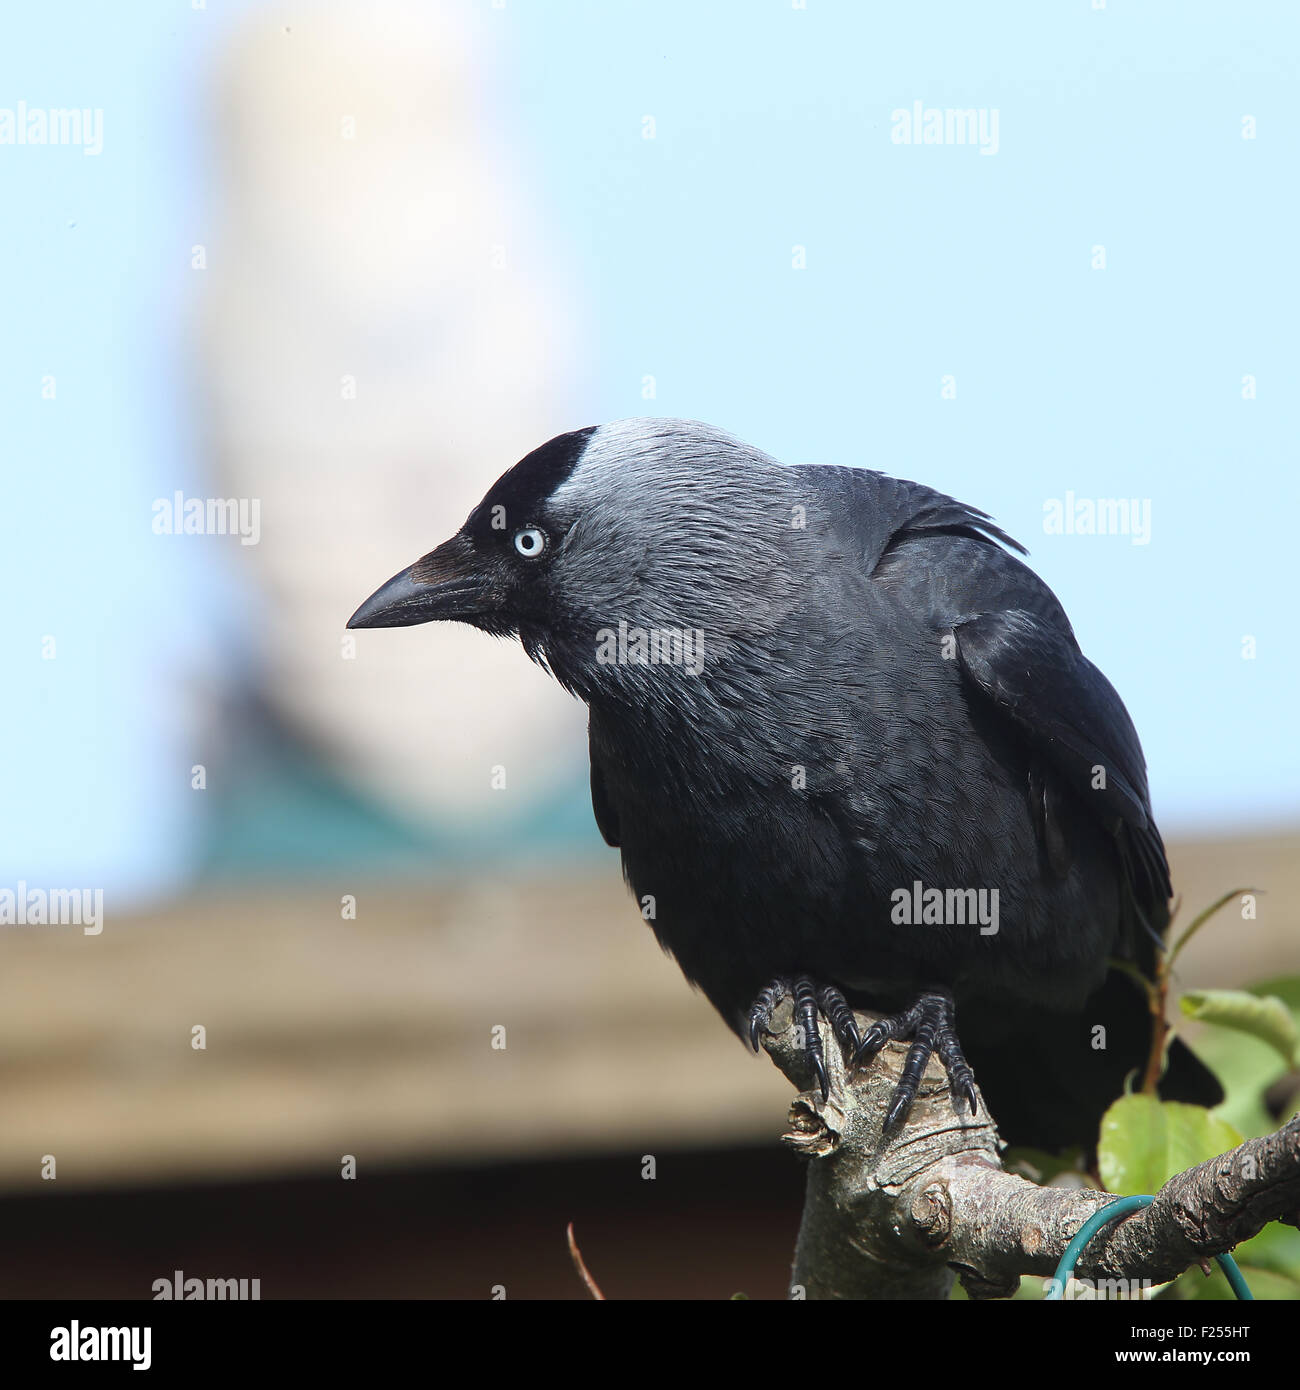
849	749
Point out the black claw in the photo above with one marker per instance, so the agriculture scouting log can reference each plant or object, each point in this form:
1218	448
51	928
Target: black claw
805	1015
810	1000
899	1106
872	1041
929	1023
760	1012
885	1030
836	1008
823	1080
960	1076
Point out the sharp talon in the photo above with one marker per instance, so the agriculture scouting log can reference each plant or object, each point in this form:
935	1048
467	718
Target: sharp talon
847	1032
823	1080
874	1039
929	1025
760	1012
810	1000
805	1015
836	1008
898	1108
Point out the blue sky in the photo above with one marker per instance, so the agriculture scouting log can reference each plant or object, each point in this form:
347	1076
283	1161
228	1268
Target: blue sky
1120	127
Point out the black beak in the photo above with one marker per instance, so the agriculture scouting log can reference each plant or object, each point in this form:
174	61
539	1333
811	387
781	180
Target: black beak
446	584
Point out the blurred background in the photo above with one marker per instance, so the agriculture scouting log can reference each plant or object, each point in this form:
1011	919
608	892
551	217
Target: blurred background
341	264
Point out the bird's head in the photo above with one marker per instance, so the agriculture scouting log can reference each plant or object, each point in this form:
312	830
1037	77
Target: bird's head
606	541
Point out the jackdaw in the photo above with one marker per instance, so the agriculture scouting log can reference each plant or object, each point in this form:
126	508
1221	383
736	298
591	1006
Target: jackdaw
849	749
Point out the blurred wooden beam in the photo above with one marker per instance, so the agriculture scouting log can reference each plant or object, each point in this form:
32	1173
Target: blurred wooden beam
374	1037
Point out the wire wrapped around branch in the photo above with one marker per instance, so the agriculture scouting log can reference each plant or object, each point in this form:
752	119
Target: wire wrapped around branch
901	1215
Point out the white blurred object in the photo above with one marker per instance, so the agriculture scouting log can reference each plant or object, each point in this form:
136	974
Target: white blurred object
382	338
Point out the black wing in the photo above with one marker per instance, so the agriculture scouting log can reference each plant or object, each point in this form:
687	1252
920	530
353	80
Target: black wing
1072	715
606	818
1015	649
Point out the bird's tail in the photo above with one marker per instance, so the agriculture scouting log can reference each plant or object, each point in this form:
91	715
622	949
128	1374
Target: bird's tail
1049	1086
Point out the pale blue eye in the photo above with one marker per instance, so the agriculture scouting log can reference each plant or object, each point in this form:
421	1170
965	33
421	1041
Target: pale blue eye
530	542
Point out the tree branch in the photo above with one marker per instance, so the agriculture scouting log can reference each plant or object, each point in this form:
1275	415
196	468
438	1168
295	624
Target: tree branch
900	1216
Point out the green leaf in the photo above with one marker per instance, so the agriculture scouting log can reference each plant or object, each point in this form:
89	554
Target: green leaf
1145	1141
1286	987
1245	1067
1266	1017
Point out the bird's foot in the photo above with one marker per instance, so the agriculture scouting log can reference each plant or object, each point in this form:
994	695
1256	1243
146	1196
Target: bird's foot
930	1025
809	999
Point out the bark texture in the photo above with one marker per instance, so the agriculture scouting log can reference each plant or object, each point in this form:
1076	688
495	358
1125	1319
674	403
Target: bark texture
901	1216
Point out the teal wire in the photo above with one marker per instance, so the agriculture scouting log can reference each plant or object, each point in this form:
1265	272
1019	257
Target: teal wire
1236	1280
1108	1215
